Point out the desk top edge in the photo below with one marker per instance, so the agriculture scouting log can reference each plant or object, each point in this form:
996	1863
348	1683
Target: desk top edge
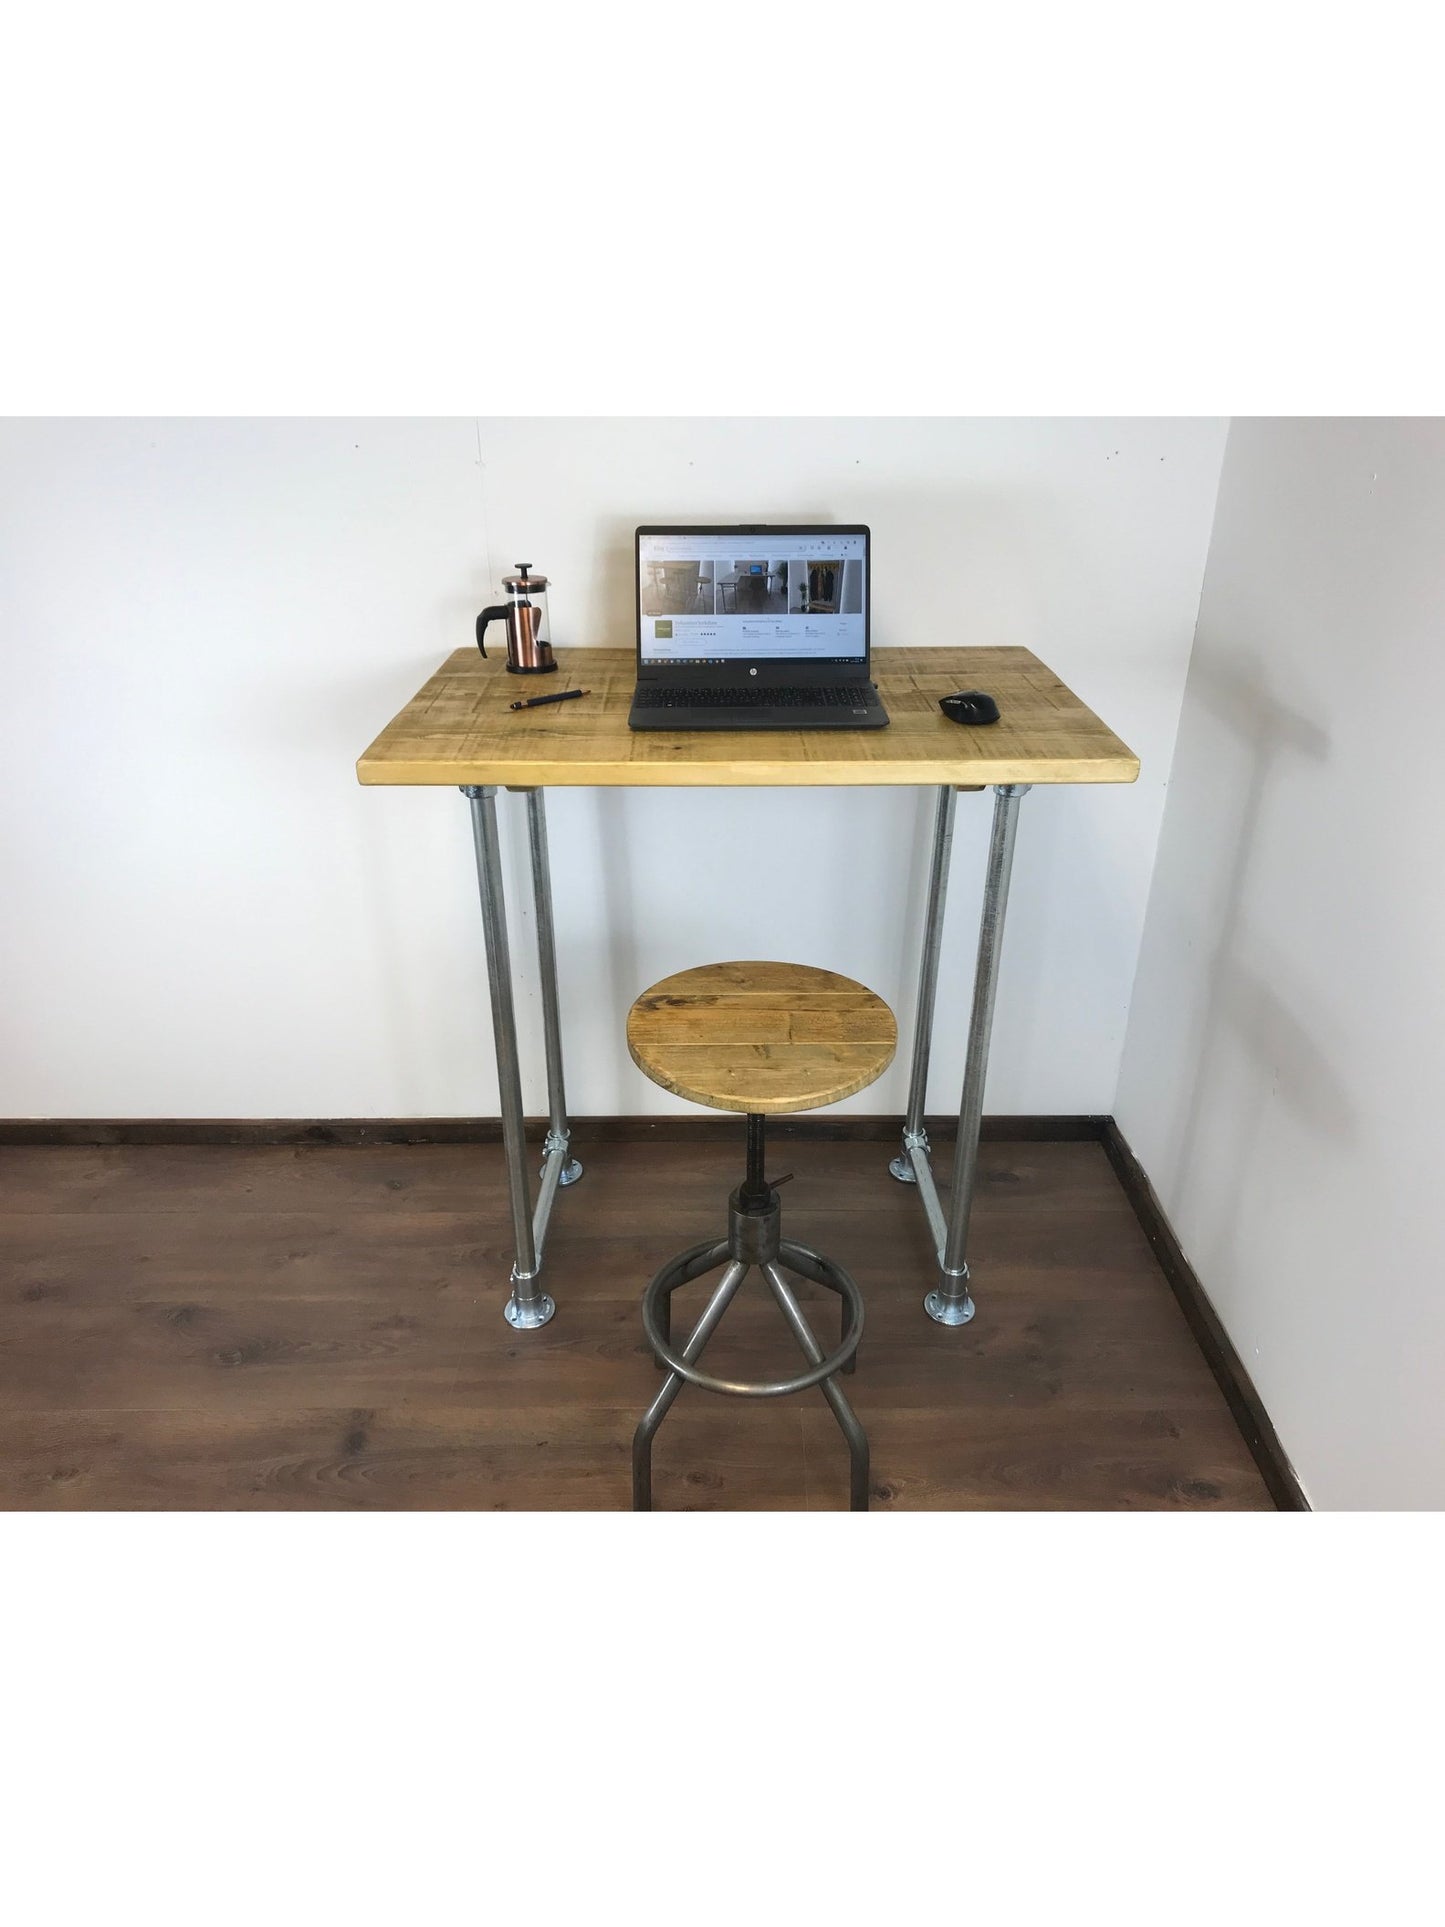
1049	735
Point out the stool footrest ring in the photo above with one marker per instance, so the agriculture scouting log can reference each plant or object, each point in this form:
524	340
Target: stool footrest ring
797	1258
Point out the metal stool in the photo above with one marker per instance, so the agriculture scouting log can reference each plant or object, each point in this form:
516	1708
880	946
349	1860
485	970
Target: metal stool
759	1038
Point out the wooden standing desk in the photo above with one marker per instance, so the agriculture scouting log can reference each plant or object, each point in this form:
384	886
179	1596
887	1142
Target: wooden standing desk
458	731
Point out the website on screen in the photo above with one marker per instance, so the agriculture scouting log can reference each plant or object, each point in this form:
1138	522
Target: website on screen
724	598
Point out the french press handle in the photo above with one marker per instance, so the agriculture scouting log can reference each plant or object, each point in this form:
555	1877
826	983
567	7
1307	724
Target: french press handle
497	614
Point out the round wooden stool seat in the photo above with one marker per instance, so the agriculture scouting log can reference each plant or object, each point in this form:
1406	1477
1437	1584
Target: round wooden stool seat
761	1037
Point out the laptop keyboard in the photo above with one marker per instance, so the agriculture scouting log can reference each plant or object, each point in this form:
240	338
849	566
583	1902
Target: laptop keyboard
825	696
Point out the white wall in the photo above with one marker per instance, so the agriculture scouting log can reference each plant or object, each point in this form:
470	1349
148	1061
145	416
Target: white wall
1282	1077
202	624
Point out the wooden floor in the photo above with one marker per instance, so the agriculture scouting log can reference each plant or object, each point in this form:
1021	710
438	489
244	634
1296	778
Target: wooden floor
321	1328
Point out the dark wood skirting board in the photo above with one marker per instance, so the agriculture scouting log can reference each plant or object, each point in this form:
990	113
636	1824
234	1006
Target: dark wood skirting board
681	1129
1255	1425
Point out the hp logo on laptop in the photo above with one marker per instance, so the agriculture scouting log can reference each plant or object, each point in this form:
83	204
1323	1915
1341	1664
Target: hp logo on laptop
752	672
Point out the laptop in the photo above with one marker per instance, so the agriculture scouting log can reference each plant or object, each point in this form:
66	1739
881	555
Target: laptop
754	627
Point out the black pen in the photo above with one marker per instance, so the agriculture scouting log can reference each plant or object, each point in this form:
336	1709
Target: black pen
562	696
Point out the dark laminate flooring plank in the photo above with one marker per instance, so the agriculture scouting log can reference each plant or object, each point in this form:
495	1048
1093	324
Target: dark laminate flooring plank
558	1457
118	1257
466	1177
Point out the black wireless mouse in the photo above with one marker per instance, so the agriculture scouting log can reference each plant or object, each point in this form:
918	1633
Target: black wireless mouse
969	706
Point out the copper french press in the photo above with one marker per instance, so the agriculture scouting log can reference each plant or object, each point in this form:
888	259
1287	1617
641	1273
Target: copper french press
529	633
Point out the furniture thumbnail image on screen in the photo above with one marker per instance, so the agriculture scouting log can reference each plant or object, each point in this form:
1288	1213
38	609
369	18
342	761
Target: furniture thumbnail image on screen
677	588
753	586
826	587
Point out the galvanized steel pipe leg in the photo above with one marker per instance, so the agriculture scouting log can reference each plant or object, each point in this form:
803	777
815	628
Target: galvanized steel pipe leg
951	1304
914	1135
529	1306
558	1129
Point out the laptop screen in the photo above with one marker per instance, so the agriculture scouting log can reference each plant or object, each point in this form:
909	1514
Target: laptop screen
725	595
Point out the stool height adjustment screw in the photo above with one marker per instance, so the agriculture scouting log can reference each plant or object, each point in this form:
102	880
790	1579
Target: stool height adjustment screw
755	1188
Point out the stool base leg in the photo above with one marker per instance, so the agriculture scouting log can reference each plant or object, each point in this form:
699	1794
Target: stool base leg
813	1266
642	1443
857	1439
692	1264
842	1411
723	1295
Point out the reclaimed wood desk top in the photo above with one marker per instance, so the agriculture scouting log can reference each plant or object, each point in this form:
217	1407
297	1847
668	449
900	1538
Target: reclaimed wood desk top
458	729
